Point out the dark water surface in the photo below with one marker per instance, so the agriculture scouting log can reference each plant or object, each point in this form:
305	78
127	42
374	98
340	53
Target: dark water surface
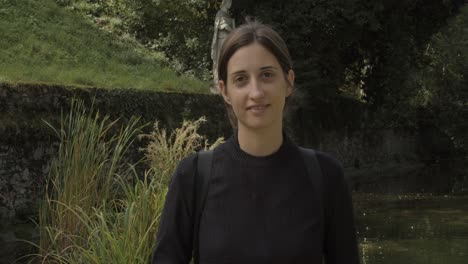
396	229
14	241
412	228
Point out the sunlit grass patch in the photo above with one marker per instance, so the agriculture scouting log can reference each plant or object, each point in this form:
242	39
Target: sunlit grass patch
44	42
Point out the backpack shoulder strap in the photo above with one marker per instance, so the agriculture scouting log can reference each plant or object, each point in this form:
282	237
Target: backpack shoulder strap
202	178
316	176
313	168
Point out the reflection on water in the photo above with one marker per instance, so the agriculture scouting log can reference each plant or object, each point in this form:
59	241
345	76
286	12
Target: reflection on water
412	228
396	229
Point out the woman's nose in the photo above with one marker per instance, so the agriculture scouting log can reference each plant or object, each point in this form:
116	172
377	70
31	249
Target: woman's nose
256	89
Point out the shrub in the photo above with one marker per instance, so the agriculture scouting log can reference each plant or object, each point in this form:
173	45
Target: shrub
96	209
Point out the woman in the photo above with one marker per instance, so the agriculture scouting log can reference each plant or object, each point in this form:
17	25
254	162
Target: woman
261	206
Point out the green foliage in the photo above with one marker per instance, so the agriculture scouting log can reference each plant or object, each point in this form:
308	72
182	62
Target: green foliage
444	80
96	210
181	29
81	180
43	42
353	44
429	88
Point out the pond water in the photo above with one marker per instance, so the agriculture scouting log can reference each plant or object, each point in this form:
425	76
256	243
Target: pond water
12	241
412	228
403	229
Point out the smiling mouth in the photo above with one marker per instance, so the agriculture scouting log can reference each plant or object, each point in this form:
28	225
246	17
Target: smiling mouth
258	107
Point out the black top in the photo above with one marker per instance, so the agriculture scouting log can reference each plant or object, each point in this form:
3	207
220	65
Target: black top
259	210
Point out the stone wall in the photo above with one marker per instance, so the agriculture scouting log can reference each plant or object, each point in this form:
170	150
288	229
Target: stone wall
27	143
371	157
21	175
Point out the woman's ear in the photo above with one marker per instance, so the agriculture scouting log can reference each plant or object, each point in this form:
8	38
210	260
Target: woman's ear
290	87
223	89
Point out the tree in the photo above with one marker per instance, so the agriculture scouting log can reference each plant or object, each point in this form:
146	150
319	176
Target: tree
181	29
444	80
358	43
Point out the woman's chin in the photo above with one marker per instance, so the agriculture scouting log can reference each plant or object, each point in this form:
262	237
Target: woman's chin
257	124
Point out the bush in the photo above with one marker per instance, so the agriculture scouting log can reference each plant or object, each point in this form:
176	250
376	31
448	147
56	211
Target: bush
96	210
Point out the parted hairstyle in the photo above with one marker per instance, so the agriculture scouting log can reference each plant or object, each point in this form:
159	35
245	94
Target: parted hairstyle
246	34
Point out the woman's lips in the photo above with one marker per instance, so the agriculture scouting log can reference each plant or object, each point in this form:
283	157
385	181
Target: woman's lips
257	108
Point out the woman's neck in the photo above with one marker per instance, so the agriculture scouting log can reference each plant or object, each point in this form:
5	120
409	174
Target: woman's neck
260	143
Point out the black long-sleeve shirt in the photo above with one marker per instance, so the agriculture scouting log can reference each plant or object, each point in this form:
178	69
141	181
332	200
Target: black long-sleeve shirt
259	210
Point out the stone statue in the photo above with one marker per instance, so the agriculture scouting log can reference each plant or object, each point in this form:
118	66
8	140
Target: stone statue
223	25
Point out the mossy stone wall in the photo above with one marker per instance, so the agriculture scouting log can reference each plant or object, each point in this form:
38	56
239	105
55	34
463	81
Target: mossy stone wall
337	126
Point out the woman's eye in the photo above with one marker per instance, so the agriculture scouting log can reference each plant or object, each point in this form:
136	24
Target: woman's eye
267	75
240	79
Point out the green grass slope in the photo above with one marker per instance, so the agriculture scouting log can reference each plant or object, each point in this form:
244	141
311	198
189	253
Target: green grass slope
43	42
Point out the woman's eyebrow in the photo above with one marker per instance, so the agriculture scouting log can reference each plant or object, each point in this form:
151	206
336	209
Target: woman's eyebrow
238	72
268	67
261	68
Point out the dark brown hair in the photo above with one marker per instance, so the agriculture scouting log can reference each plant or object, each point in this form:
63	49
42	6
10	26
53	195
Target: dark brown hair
246	34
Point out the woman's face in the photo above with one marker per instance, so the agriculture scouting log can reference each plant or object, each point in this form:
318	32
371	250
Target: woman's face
256	88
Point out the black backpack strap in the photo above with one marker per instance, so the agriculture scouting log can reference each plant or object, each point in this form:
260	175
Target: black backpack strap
316	176
202	178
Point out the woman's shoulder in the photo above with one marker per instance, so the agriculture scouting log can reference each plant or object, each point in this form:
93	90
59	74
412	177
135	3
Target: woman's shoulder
187	164
331	167
328	161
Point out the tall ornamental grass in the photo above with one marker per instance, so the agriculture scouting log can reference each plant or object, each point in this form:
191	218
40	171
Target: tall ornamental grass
165	150
82	180
96	210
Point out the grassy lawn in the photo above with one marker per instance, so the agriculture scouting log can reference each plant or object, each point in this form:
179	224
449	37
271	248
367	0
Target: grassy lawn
43	42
